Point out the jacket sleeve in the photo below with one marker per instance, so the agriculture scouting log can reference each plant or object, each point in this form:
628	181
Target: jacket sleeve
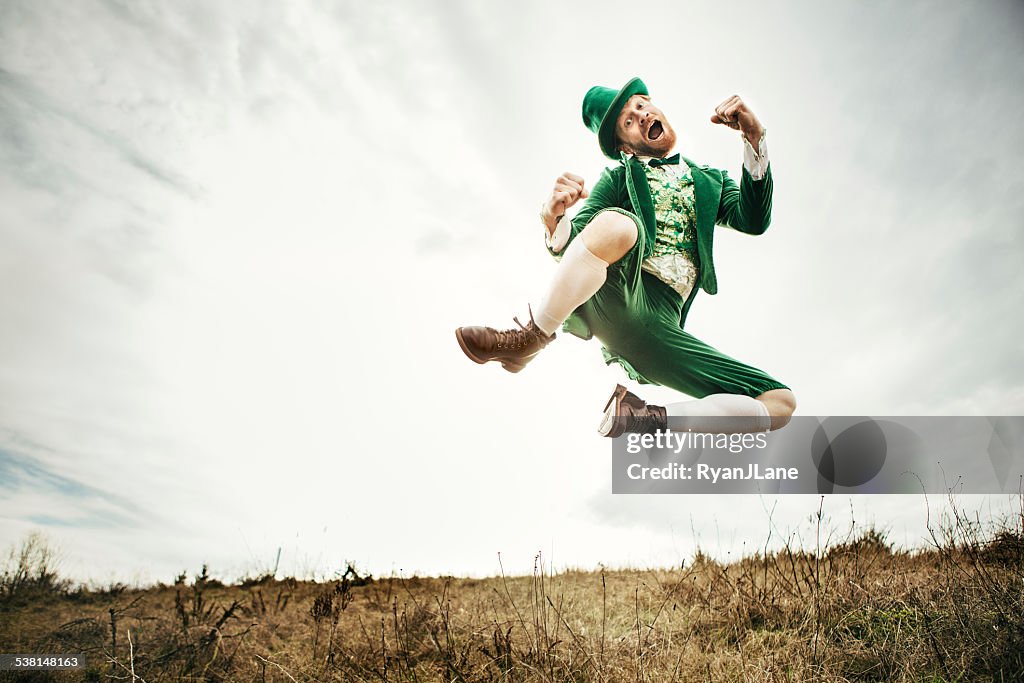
604	194
746	207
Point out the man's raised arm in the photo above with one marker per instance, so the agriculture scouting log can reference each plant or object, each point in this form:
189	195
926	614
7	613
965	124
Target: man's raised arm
746	207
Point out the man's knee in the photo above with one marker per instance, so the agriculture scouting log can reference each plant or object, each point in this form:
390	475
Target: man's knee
781	404
610	236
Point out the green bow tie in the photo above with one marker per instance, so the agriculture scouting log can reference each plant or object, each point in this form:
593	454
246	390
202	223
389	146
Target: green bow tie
674	159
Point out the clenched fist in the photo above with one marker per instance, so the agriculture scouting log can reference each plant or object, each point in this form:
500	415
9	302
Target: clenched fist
735	113
568	190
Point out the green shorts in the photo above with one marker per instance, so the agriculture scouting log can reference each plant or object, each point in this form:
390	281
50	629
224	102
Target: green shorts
637	318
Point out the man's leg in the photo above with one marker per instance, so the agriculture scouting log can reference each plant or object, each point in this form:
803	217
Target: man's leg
584	267
579	275
770	410
717	413
736	397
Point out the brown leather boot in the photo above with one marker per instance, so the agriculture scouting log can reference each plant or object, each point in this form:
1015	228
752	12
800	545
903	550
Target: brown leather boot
512	348
627	412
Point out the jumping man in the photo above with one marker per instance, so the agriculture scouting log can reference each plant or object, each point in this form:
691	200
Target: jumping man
632	260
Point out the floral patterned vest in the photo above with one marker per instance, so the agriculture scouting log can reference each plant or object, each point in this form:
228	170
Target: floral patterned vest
674	260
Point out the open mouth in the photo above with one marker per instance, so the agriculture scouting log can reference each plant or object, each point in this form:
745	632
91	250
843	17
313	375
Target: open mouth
655	130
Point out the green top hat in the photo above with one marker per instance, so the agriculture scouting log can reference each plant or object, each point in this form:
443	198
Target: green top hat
601	107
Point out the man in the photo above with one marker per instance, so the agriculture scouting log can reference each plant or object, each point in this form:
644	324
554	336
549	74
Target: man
632	260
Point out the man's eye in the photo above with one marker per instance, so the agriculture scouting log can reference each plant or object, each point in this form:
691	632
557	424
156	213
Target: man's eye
628	121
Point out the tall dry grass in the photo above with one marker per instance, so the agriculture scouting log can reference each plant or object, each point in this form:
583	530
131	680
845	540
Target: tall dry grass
831	608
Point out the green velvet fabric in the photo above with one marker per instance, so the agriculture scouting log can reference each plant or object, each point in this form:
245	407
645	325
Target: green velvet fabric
638	318
745	207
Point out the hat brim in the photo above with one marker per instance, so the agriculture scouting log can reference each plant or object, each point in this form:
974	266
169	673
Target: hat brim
606	133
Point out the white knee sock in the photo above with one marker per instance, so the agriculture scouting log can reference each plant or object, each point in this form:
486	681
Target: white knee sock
745	414
578	277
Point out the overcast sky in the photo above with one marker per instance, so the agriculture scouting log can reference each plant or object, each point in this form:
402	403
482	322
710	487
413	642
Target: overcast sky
236	239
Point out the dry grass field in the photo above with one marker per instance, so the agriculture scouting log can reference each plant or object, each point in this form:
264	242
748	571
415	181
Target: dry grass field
847	609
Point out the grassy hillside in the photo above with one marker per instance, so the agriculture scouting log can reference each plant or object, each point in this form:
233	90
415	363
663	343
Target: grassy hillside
852	611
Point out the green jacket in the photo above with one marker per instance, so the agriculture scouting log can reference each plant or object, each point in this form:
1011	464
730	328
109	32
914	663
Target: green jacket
746	207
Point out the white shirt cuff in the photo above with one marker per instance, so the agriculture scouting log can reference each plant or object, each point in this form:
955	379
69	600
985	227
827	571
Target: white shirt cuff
756	163
556	241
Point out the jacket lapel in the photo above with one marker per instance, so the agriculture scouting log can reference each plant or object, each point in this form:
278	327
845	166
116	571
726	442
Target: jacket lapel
640	198
707	191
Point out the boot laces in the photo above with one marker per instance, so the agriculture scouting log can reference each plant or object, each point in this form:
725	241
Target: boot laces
650	420
514	339
642	424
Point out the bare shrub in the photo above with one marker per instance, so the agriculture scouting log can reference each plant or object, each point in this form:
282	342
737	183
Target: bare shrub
30	572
